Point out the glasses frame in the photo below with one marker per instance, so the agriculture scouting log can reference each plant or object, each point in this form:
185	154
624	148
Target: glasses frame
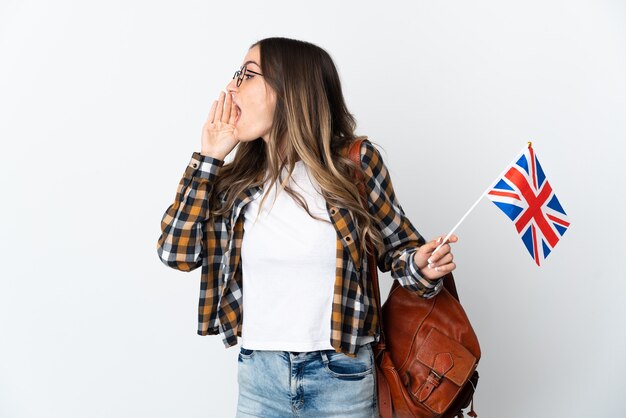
241	73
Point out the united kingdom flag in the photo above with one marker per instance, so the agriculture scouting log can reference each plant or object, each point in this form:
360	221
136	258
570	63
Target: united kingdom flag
526	197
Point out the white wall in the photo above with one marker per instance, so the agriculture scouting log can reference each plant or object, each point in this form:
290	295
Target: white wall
101	106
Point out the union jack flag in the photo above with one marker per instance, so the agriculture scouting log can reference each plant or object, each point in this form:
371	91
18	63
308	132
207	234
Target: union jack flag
526	197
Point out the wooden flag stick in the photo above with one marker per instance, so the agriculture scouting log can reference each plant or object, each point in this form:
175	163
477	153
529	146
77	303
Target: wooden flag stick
493	183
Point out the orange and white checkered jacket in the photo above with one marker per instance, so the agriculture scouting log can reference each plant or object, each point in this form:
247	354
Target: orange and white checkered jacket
190	240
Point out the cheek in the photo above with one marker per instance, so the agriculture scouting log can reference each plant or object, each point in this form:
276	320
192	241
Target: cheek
268	113
256	121
271	105
262	116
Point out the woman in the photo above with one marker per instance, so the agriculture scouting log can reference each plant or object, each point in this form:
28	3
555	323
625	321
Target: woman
310	317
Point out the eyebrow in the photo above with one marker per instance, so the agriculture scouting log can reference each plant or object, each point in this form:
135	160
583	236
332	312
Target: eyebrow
251	62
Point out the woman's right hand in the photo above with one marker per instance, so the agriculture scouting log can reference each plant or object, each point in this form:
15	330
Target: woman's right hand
218	132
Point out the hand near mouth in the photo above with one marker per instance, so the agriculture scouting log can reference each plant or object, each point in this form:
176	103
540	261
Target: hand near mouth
218	132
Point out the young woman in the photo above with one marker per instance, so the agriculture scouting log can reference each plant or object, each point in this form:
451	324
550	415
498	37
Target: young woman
284	218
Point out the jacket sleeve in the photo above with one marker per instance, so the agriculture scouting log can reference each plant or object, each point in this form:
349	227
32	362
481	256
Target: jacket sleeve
401	239
180	244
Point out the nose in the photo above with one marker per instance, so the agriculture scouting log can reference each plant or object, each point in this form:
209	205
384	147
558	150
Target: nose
232	86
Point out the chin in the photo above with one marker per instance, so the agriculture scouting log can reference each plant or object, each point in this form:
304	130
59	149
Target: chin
249	137
245	138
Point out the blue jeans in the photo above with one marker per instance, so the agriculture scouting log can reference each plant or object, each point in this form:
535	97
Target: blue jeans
311	384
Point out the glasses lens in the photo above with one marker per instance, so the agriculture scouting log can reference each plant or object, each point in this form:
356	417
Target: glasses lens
242	74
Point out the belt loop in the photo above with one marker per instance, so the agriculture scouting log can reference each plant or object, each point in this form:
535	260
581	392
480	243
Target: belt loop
324	357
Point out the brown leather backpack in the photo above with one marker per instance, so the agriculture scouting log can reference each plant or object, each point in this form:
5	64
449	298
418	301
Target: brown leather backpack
427	355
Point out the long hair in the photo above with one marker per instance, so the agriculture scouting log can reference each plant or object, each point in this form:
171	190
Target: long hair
311	123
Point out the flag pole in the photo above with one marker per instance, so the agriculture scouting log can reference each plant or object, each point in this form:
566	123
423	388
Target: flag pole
493	183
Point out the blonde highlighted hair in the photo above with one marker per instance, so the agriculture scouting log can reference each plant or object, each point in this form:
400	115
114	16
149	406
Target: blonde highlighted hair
311	123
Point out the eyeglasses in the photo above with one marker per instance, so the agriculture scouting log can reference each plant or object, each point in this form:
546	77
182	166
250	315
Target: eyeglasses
241	73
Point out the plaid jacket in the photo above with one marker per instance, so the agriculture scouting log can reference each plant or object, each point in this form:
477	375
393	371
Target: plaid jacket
189	241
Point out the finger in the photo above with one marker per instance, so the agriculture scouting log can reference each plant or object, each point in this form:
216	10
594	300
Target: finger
228	104
439	242
220	108
439	259
212	112
451	239
430	246
443	261
440	253
445	269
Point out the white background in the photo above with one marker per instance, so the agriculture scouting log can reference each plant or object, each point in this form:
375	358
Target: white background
101	106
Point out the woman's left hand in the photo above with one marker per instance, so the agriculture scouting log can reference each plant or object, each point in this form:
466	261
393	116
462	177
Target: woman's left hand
435	265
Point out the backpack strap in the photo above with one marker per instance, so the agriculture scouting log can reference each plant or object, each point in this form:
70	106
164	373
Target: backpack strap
355	156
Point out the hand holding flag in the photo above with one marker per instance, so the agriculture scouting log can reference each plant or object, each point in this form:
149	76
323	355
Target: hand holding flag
433	266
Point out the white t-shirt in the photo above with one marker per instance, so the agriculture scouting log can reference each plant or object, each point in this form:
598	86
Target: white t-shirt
288	262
